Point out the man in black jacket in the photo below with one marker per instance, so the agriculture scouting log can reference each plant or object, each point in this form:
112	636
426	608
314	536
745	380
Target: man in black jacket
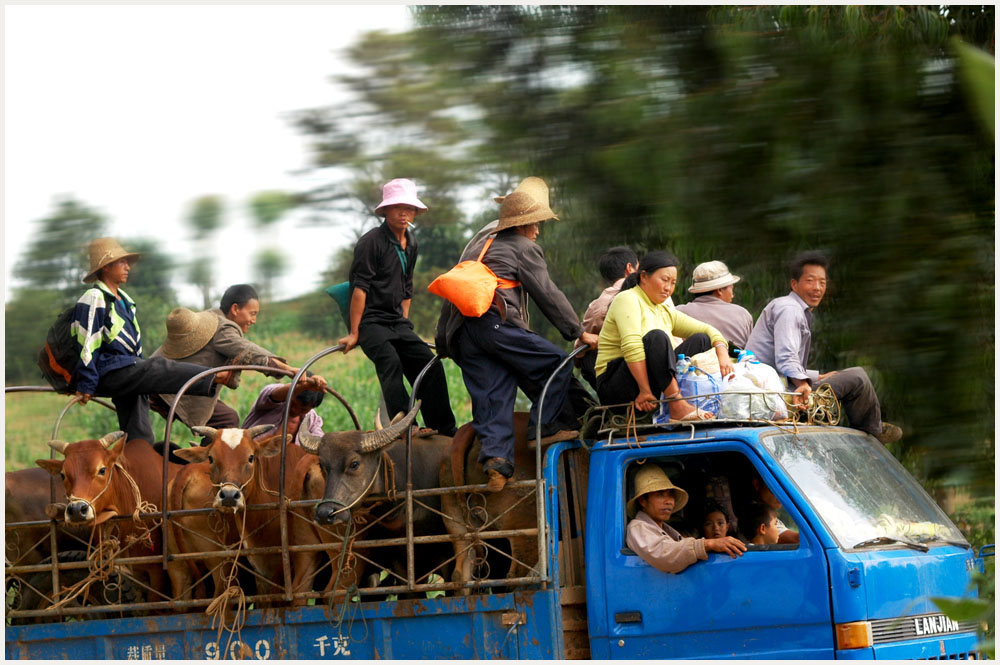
497	351
381	280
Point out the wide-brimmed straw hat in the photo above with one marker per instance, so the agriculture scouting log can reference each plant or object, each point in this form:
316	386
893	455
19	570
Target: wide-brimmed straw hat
534	186
188	332
711	276
103	252
652	478
400	191
528	204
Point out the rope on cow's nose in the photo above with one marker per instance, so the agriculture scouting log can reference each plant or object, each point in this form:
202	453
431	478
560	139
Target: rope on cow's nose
348	610
383	459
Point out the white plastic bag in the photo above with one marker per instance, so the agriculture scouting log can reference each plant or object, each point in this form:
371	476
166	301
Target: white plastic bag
750	395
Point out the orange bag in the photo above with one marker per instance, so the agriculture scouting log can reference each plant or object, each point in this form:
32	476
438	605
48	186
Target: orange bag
470	285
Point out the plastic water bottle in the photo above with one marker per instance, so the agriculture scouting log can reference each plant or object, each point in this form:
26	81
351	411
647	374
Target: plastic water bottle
747	355
683	365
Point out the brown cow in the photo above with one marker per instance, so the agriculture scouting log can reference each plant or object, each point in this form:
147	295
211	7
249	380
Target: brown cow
26	498
245	472
500	505
95	476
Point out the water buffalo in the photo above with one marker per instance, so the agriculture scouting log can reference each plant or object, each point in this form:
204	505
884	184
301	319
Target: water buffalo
356	464
511	508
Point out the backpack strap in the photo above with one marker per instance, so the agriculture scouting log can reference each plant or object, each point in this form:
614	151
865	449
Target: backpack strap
502	282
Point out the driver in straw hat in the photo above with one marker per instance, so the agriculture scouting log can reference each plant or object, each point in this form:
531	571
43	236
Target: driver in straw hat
655	541
497	352
111	362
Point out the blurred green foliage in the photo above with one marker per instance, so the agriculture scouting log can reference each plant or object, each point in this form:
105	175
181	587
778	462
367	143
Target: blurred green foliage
747	134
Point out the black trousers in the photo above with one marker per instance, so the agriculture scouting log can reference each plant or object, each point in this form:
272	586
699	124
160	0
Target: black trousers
617	385
397	351
223	416
130	387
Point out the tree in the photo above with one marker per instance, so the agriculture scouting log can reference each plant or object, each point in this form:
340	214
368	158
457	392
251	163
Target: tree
57	256
738	133
204	219
269	264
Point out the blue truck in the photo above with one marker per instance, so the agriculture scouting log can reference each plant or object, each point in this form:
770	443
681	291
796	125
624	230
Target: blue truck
874	550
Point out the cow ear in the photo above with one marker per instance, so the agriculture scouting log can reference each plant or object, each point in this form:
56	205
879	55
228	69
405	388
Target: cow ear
53	466
271	446
194	454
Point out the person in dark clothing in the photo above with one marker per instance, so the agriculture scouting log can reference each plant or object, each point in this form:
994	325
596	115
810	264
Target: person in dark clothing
381	282
111	363
497	352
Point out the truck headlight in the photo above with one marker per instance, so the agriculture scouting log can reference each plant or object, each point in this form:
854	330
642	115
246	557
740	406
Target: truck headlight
854	635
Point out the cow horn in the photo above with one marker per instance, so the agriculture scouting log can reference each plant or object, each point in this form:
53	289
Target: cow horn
309	441
372	441
111	438
203	431
257	430
58	446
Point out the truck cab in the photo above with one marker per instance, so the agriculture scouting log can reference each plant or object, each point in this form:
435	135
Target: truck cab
873	551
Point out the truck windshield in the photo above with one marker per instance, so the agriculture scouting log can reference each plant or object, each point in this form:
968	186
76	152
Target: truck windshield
863	495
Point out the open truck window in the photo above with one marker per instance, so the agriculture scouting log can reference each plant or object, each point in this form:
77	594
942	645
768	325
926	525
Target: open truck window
725	478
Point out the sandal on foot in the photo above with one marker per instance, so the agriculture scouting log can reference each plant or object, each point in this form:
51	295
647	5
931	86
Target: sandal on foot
693	416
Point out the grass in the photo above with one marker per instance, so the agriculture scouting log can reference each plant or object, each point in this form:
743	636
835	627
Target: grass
29	418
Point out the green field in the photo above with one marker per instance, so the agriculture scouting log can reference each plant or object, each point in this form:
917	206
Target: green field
29	418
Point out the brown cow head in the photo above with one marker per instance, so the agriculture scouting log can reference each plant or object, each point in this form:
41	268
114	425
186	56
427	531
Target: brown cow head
88	475
350	461
232	461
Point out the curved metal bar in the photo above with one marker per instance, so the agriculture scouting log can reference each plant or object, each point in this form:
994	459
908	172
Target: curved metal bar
209	371
74	400
540	499
410	568
31	389
283	511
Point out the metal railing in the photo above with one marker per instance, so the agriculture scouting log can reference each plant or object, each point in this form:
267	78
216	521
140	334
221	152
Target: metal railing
158	599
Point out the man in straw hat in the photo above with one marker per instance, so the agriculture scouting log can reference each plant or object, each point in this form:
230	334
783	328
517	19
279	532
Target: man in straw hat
655	541
381	283
497	351
111	362
210	339
713	286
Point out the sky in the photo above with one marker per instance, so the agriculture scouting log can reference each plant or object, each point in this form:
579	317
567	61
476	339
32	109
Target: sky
137	111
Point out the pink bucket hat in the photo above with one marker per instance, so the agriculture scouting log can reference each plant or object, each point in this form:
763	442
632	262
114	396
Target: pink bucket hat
400	190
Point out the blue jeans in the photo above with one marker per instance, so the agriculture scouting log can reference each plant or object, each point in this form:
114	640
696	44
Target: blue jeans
496	358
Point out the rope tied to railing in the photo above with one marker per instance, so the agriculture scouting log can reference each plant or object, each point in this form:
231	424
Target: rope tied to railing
220	604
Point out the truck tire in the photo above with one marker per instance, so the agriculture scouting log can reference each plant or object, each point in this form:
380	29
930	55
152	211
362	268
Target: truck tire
117	589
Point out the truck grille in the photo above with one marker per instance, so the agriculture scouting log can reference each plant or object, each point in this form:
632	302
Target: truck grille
967	655
916	627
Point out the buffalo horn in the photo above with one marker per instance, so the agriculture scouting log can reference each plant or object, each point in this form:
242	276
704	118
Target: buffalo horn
111	438
257	430
372	441
209	432
58	446
309	441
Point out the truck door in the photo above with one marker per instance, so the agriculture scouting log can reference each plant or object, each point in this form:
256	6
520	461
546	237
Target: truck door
773	602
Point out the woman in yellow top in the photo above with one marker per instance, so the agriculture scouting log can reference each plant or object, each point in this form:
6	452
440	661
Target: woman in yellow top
635	358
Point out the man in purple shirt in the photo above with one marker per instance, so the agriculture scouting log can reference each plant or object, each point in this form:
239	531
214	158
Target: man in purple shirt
781	339
269	408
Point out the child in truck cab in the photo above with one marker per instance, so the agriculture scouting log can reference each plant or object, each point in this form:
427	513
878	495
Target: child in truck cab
656	542
760	524
714	523
766	496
